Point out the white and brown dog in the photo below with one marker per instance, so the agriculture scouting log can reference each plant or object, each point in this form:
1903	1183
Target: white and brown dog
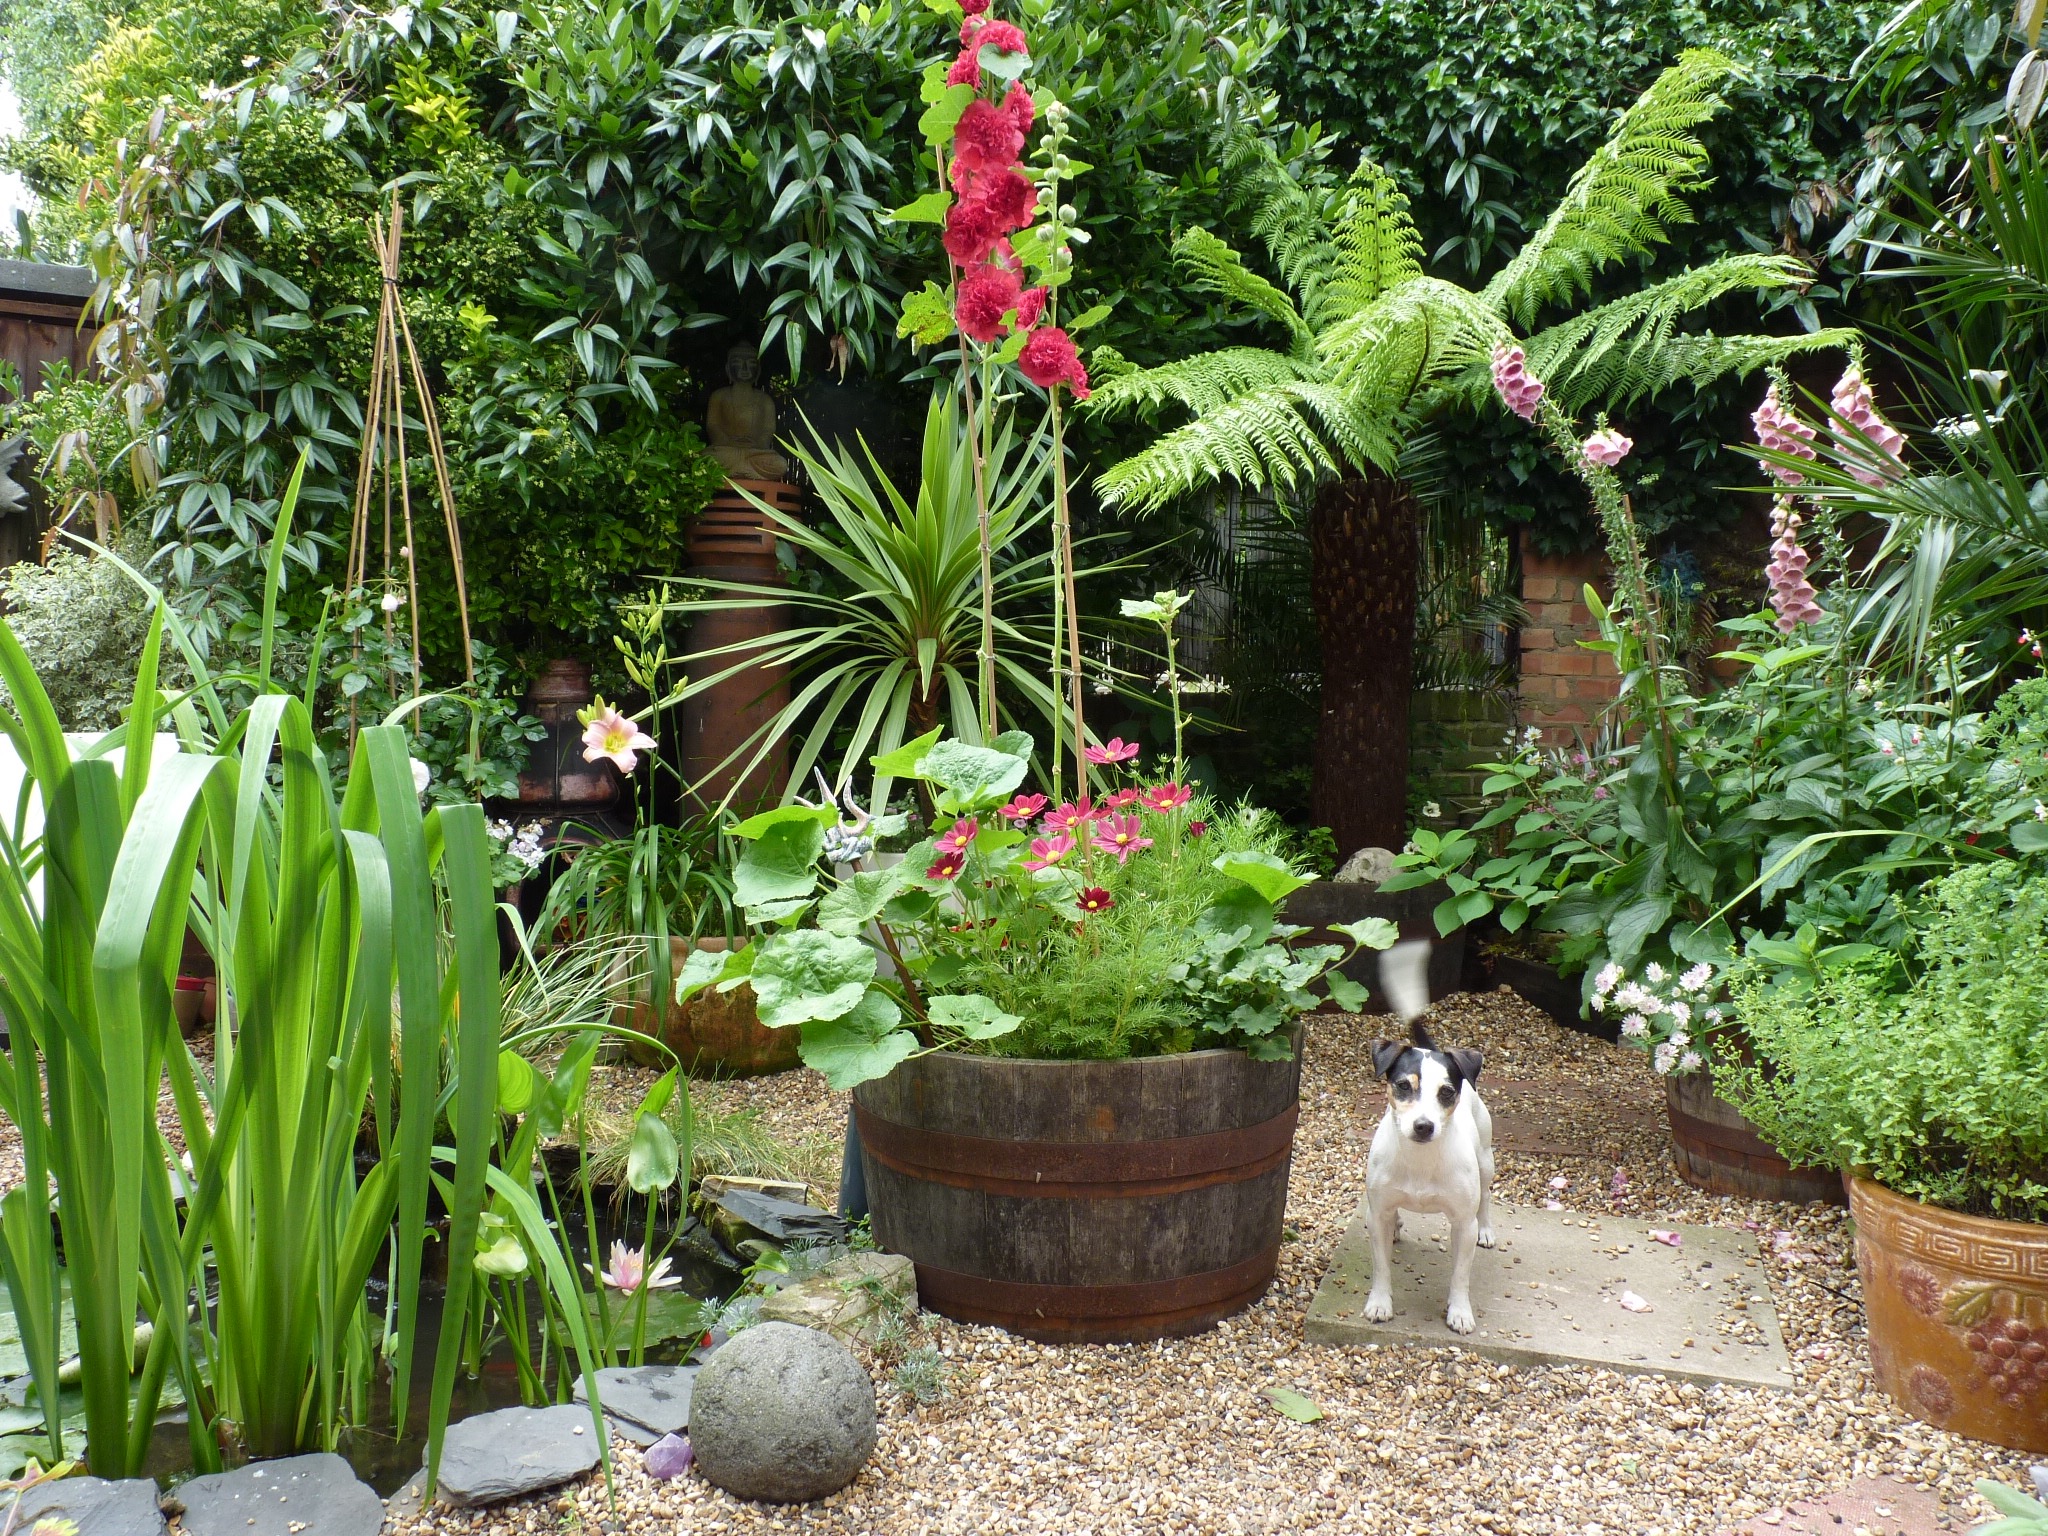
1433	1150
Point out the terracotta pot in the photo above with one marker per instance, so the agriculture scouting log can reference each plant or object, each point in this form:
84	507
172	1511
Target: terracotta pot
556	780
714	1034
1957	1311
1714	1147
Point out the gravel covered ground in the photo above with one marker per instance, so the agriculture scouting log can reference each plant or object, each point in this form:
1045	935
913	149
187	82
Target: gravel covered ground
1178	1437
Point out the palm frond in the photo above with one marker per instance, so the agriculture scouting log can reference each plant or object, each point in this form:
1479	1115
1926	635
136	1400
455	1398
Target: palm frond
1621	200
1203	383
1213	265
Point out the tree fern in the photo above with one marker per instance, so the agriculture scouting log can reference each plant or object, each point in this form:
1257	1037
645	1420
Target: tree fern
1377	245
1213	265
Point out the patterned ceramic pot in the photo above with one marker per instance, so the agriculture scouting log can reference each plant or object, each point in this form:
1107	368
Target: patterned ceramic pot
1957	1308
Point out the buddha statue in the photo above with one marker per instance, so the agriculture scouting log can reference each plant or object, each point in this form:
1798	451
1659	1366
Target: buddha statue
741	421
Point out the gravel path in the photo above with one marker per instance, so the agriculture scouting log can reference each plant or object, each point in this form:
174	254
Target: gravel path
1177	1437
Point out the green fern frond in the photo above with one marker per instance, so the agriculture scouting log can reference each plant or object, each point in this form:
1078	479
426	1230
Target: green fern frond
1377	245
1215	266
1615	353
1448	323
1202	383
1700	360
1620	201
1272	438
1296	231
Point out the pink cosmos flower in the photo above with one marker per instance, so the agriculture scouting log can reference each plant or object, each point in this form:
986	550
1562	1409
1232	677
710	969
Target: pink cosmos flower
1518	392
1048	851
1023	808
1094	898
961	836
946	866
1122	836
1071	817
1121	800
1198	829
1606	448
610	736
1115	750
1166	798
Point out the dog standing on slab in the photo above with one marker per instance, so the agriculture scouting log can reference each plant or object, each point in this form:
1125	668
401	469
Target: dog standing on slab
1433	1150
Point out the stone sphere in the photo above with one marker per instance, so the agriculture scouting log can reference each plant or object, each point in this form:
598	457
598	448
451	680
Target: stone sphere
782	1414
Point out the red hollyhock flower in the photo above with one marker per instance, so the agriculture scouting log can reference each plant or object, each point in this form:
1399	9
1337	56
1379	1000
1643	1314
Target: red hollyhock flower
1021	109
1049	358
1030	305
987	293
973	7
946	866
972	231
999	35
1094	898
966	69
986	138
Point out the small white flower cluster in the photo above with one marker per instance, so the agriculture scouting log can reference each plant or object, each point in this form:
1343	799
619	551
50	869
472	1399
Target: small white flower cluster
1663	1014
521	843
1193	684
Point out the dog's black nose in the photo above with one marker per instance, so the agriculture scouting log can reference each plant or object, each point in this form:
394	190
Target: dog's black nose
1424	1129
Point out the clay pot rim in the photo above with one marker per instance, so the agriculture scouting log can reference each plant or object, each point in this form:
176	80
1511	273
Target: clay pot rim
1995	1227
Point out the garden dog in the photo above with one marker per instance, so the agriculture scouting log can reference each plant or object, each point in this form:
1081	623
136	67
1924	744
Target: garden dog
1433	1150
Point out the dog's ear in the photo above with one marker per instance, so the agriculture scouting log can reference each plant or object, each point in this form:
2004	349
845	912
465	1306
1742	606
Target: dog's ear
1467	1062
1385	1054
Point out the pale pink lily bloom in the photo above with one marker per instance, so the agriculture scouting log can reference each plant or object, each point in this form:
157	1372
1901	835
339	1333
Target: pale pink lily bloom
627	1271
612	737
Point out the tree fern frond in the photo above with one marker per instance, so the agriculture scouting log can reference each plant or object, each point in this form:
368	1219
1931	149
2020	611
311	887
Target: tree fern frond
1296	231
1378	342
1264	439
1622	199
1615	353
1700	360
1214	265
1377	244
1202	383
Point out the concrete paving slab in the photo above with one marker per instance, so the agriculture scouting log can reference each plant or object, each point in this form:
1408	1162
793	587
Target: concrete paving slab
1550	1293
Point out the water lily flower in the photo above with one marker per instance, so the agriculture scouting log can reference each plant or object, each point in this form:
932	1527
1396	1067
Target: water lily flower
1166	798
1023	808
627	1271
609	736
1071	817
1048	851
946	866
1094	898
1122	836
961	836
1115	750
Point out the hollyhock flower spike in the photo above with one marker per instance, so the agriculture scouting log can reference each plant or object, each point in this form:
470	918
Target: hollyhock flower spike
1049	358
608	736
1022	109
987	137
987	293
1094	898
978	32
960	836
1606	448
1518	392
1115	750
1122	836
946	866
1855	404
1048	851
1780	431
1166	798
1023	808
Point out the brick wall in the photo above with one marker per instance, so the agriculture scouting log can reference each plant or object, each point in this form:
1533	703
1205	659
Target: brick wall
1564	688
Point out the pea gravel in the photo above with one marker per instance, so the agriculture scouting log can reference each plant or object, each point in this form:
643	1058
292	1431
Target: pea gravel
1178	1437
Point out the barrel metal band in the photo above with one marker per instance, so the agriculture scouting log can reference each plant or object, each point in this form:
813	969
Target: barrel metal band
1079	1169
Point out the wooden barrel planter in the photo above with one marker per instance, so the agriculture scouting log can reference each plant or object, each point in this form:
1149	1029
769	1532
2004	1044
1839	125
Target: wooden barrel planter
1087	1202
1715	1148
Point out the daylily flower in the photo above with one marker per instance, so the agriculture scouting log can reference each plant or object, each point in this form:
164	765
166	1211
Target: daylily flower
628	1271
1122	836
1166	797
1094	898
1023	808
1115	750
1071	817
609	736
1048	851
961	837
946	866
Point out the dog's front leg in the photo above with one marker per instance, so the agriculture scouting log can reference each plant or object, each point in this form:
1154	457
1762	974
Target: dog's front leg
1381	1217
1465	1240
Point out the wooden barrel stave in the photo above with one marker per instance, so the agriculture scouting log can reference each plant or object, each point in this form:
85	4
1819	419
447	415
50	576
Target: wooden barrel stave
1715	1148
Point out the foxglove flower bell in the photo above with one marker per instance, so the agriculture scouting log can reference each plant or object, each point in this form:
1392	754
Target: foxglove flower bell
1791	594
1518	392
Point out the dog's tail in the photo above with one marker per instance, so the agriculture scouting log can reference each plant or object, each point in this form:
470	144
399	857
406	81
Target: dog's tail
1420	1036
1404	974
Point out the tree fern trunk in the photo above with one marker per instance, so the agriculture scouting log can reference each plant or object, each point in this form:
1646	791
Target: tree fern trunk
1362	534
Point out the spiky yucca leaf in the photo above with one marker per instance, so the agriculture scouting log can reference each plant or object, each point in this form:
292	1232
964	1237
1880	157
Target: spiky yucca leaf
1621	200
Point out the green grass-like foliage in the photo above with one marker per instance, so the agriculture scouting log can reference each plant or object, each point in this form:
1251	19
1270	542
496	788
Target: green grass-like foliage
1935	1081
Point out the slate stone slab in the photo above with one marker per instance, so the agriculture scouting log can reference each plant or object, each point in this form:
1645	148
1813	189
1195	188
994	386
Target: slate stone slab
501	1455
739	1214
645	1402
295	1496
784	1414
95	1505
1550	1294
